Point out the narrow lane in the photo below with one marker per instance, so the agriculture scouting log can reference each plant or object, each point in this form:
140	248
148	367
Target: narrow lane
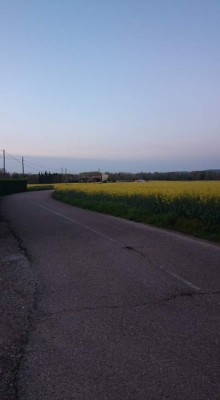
123	310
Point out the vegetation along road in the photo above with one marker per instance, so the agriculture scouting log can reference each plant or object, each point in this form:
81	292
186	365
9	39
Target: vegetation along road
122	310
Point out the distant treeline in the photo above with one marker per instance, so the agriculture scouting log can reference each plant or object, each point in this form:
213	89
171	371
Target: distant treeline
95	176
167	176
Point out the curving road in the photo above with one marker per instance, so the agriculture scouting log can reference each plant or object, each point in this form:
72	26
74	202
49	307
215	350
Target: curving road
122	310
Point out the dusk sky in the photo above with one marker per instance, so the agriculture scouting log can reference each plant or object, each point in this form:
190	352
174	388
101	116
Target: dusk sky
118	85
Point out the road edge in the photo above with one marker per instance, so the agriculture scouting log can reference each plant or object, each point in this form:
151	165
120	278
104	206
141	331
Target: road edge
17	288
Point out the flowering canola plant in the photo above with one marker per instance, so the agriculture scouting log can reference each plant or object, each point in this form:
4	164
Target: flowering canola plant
190	207
166	189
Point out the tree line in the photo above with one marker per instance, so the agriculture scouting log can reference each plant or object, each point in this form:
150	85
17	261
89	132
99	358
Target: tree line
48	177
207	175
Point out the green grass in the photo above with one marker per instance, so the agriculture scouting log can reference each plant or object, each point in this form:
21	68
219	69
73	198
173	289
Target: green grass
37	187
193	215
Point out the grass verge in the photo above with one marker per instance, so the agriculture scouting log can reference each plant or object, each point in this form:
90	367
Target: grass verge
192	215
36	187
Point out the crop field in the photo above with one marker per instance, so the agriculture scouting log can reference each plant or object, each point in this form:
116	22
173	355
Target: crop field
164	188
189	207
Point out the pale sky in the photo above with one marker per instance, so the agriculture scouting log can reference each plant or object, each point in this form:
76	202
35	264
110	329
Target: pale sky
117	84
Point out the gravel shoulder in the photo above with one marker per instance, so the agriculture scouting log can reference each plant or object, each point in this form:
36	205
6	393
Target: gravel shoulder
17	288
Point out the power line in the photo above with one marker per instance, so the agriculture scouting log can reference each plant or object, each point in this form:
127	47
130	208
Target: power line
38	165
16	159
29	166
24	162
20	162
7	158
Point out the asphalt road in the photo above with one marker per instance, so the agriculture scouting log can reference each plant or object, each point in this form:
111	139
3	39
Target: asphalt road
122	310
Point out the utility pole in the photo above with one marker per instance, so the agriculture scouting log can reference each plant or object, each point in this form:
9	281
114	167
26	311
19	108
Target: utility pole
62	175
22	160
3	151
66	175
3	162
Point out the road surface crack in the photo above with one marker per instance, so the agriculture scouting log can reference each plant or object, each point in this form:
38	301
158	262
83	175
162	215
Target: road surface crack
165	270
148	304
92	308
190	294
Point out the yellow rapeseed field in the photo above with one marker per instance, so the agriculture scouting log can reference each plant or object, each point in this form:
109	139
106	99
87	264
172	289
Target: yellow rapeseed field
204	189
191	207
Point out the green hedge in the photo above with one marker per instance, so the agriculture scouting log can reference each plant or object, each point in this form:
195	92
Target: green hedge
8	186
